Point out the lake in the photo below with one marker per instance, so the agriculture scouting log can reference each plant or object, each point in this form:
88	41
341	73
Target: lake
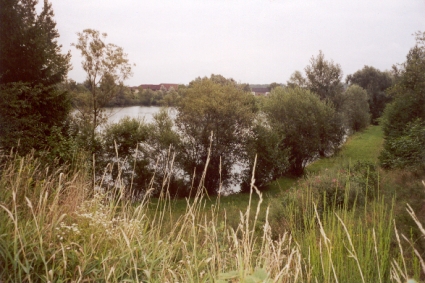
115	114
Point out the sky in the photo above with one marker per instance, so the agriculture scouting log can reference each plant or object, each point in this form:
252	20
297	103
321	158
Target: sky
251	41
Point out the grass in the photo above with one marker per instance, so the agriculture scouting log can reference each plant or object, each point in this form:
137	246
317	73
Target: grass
362	146
52	230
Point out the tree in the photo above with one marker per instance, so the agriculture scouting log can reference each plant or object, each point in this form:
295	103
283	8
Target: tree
170	99
29	115
160	149
141	154
375	83
107	67
275	85
356	108
404	118
29	51
309	126
406	151
214	115
265	150
297	80
32	106
120	149
324	78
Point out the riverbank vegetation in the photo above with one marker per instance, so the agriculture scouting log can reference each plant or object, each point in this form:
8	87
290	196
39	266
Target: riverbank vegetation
324	196
334	226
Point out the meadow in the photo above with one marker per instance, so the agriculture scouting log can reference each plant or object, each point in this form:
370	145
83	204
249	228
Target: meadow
346	220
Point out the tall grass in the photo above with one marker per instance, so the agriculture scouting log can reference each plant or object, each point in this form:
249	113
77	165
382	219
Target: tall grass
51	231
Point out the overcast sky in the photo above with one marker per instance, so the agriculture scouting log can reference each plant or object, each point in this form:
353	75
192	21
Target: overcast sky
258	41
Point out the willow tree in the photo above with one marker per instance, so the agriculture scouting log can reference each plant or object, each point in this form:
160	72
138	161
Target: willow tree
213	115
323	77
309	126
106	66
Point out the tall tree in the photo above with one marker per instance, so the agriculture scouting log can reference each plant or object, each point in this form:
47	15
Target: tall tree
356	108
106	66
214	114
324	78
404	118
32	107
375	83
29	51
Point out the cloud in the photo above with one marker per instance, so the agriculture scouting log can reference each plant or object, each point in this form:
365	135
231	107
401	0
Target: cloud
258	41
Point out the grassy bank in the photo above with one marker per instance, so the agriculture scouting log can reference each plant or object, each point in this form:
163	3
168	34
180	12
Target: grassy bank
362	146
54	230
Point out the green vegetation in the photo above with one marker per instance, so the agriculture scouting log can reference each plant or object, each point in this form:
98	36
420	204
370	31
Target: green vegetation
214	118
356	108
79	204
362	146
309	127
375	83
324	77
404	118
33	109
53	230
107	67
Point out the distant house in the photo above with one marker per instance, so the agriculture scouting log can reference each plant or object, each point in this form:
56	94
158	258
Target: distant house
167	87
264	91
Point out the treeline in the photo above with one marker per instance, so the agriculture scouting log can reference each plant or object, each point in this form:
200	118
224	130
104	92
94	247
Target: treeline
127	96
220	126
222	135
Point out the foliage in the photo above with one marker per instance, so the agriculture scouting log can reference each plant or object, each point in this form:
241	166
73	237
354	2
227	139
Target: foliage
274	85
403	119
356	108
106	66
29	51
297	80
120	149
310	126
141	155
265	153
160	149
406	150
32	108
170	98
324	78
29	116
217	117
123	97
51	231
375	83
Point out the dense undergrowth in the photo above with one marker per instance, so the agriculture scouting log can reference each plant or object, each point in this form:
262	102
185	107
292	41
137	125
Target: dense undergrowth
344	224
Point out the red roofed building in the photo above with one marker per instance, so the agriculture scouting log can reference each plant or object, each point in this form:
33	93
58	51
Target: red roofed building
261	91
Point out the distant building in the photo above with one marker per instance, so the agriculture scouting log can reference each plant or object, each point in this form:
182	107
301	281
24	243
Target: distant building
264	91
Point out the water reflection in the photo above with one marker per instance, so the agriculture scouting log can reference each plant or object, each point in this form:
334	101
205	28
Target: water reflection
115	114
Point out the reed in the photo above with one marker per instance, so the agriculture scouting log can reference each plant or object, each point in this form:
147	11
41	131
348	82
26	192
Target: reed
54	230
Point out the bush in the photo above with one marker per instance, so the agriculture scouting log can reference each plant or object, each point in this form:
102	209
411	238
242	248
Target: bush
406	150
